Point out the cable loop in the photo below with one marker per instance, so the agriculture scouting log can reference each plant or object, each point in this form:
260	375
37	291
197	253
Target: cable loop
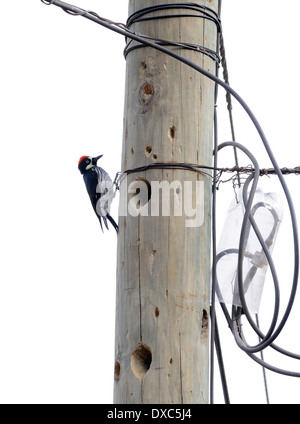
203	12
206	13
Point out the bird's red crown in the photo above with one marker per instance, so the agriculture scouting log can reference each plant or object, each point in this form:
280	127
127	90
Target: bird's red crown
82	157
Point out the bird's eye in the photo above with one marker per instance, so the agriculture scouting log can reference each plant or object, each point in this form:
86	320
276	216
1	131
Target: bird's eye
87	161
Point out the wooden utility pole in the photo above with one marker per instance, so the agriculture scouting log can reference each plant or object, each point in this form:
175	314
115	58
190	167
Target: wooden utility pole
163	271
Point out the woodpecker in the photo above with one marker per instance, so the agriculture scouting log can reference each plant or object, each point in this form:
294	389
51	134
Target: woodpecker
99	188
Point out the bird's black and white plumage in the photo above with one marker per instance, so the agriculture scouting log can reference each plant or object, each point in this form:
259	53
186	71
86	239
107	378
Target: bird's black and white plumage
99	187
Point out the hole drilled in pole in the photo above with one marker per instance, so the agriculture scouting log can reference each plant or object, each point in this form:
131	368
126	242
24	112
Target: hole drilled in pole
141	359
148	150
172	133
156	312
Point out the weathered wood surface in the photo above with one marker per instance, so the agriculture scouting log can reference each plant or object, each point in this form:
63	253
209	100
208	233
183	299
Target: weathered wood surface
163	275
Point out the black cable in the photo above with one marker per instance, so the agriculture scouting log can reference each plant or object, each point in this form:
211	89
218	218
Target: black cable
203	12
221	364
195	47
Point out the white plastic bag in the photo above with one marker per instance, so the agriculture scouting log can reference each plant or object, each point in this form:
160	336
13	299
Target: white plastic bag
267	212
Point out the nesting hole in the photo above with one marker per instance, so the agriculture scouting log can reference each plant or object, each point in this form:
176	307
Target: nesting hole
141	359
141	187
156	312
148	187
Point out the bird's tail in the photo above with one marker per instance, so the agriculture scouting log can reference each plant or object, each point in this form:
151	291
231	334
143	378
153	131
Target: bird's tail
113	223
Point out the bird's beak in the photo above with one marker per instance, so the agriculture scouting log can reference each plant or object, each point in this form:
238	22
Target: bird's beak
95	160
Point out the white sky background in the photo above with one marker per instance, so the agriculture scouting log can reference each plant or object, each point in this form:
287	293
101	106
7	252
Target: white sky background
62	96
